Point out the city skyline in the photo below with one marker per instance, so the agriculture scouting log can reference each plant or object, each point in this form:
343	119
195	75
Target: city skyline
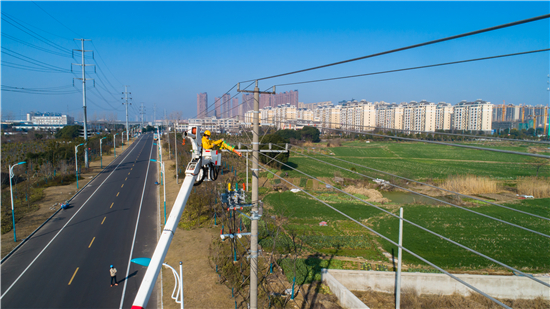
168	60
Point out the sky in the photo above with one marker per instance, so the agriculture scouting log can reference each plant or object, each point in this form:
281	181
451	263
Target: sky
168	52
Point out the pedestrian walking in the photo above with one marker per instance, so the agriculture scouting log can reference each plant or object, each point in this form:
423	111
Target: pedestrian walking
113	275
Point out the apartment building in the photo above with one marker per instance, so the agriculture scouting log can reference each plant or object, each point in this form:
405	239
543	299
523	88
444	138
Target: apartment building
443	116
473	116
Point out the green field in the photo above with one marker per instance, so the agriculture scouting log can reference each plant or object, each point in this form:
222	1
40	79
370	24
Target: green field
342	237
418	161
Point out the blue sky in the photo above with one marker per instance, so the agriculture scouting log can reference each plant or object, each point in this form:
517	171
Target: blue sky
170	51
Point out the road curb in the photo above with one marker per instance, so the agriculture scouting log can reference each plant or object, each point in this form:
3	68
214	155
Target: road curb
55	213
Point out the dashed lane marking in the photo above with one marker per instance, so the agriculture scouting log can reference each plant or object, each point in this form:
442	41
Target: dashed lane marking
73	276
104	218
112	204
92	241
117	193
122	185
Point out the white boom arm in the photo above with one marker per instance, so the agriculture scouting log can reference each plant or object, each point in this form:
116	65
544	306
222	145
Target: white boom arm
146	287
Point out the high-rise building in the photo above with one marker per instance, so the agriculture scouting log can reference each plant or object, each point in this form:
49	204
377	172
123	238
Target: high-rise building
473	116
235	108
226	105
443	116
202	101
218	106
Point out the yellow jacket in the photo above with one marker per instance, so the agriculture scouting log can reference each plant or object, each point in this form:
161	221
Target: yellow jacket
209	144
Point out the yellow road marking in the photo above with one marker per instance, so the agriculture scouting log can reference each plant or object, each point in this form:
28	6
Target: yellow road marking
128	173
132	168
92	241
126	179
122	185
112	204
117	193
73	276
103	220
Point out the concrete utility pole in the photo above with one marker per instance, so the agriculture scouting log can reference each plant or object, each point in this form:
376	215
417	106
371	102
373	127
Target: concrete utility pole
176	150
154	114
83	65
126	95
254	223
142	113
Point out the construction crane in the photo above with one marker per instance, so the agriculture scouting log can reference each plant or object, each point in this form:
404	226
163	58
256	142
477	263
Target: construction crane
503	110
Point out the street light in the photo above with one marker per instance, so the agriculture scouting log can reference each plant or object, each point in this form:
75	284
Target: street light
178	285
163	184
100	149
11	192
114	142
76	162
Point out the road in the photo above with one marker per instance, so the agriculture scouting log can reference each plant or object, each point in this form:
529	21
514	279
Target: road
114	219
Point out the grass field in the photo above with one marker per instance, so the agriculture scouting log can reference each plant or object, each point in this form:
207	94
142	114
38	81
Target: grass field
419	161
510	245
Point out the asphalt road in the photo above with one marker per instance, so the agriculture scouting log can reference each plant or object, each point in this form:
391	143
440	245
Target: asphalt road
114	219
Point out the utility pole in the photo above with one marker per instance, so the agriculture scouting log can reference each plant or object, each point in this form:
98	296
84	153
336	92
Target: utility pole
255	170
126	95
83	65
142	113
154	114
176	150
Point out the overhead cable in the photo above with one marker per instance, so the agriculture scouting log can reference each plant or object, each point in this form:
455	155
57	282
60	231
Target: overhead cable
443	201
417	225
416	68
419	182
524	21
388	239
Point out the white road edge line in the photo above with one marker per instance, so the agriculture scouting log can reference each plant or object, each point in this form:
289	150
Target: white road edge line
135	231
23	272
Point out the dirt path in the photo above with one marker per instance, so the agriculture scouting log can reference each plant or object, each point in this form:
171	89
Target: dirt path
200	282
50	203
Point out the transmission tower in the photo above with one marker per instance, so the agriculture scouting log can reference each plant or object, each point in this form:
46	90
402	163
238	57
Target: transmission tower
126	93
142	113
84	79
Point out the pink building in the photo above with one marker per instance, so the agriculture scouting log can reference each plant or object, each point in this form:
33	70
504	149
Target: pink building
202	101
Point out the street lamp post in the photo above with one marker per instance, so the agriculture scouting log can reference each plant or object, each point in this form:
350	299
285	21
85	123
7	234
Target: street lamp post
11	192
101	149
114	142
163	184
76	162
123	140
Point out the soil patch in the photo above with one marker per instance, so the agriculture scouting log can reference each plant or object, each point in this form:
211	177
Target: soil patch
409	299
374	195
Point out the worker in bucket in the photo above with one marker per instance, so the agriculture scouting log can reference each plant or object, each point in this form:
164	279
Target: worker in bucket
207	143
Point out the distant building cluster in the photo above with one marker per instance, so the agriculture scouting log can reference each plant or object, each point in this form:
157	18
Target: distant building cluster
510	116
364	115
42	121
225	108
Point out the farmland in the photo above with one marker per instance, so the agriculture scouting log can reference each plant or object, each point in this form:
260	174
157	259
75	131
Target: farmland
433	163
419	161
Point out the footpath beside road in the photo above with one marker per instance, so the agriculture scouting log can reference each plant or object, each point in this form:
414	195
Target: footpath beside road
200	282
53	197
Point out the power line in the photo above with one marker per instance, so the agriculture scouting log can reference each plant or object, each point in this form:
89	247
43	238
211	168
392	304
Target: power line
413	46
416	225
417	67
418	182
55	19
445	202
388	239
36	46
34	34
